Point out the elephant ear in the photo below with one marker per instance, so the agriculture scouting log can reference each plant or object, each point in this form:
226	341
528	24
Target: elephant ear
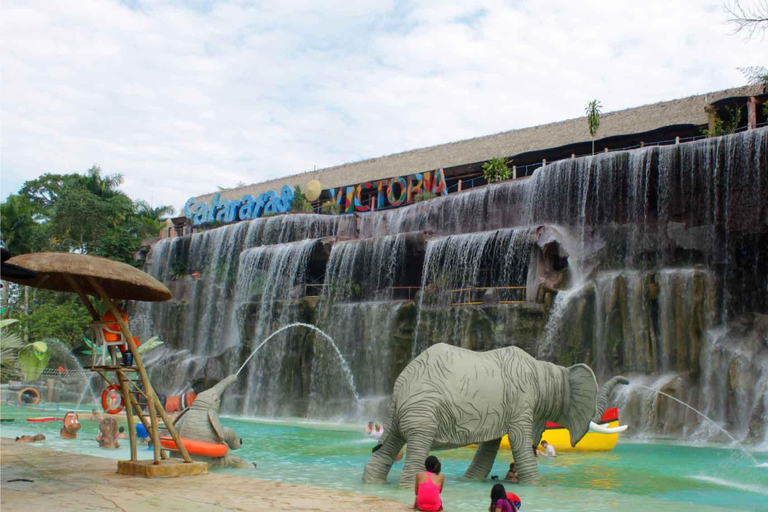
582	404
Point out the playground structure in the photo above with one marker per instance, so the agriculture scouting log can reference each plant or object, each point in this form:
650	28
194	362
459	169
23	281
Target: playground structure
111	280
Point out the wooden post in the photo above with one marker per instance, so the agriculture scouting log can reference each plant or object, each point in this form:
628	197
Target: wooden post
152	400
373	205
79	291
459	185
752	113
677	140
129	415
573	155
514	172
544	163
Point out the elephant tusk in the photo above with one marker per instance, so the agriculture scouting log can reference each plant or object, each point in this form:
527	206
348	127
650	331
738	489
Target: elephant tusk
594	427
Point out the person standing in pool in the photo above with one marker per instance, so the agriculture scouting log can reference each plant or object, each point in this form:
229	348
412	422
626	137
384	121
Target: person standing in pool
428	486
369	428
549	450
500	502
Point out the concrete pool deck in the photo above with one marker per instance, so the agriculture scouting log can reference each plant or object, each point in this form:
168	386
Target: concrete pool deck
65	481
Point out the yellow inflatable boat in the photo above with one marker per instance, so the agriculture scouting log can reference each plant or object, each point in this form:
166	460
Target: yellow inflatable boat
602	437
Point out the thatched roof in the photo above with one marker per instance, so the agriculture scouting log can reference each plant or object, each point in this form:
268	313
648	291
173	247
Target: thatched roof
642	119
120	281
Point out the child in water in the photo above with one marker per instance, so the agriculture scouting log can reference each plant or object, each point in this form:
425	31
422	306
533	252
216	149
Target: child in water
501	502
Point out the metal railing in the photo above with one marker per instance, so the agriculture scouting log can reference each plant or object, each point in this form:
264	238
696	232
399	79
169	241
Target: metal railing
405	292
474	296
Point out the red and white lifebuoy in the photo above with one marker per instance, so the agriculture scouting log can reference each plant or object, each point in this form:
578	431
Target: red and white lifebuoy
109	399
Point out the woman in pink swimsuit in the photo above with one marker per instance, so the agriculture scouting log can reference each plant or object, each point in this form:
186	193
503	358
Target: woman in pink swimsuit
429	485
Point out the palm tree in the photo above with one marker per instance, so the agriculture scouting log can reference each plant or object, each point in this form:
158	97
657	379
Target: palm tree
153	219
103	186
593	119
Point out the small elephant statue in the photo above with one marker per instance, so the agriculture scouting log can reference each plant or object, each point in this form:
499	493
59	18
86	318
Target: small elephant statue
200	421
107	437
450	397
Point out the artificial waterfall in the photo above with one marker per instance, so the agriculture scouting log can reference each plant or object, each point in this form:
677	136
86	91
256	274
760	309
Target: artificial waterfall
651	263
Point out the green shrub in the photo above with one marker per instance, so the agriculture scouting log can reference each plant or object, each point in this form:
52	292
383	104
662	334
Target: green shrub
330	208
426	196
496	169
300	203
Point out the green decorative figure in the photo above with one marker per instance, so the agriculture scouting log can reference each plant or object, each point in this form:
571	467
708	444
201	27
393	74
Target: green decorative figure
450	397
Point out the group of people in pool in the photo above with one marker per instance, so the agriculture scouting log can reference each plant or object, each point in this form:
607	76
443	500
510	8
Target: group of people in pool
429	485
375	431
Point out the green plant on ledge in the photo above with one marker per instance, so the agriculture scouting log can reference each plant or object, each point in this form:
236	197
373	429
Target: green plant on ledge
426	196
722	127
300	204
496	169
330	208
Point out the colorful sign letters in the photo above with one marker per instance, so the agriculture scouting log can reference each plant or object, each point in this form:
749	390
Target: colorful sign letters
249	207
391	192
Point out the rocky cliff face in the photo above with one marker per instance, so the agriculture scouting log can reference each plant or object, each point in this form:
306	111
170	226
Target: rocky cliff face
651	263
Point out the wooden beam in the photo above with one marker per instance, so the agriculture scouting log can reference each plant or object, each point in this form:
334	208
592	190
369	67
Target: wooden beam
86	300
129	416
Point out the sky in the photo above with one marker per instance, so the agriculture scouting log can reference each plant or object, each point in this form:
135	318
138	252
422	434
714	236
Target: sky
184	96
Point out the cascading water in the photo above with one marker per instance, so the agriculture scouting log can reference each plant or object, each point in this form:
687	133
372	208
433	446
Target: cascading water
456	270
270	277
358	310
666	278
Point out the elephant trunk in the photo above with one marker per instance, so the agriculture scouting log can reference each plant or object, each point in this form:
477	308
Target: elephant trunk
224	384
605	393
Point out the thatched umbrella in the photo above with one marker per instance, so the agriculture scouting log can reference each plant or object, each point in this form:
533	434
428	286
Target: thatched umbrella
8	271
106	279
57	271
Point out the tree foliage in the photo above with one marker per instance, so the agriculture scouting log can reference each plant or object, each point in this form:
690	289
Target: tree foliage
300	203
750	19
84	213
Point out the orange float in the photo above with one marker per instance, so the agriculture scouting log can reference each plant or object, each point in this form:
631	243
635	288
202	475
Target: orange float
196	447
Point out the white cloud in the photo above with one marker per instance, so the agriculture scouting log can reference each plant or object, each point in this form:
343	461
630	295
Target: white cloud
181	97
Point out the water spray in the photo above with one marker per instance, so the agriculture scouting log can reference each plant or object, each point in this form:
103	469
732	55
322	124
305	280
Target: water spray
708	419
344	366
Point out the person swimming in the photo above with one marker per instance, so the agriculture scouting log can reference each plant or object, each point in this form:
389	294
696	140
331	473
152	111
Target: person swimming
428	486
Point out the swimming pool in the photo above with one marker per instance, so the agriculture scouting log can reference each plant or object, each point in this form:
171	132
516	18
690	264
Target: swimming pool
664	476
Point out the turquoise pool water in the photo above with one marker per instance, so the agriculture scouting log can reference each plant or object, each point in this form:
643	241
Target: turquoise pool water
662	476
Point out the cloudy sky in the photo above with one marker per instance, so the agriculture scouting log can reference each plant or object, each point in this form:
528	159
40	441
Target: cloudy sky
183	96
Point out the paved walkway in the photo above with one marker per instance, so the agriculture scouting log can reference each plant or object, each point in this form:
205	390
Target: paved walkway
65	481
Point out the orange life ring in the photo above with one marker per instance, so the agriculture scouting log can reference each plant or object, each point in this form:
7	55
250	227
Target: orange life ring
105	400
35	397
196	447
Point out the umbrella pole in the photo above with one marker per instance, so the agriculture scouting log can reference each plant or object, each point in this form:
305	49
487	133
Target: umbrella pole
153	404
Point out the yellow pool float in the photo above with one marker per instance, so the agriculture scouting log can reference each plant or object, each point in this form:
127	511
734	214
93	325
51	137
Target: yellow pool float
594	441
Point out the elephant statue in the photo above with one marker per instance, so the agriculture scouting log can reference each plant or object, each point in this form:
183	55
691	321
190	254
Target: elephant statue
200	421
449	397
107	437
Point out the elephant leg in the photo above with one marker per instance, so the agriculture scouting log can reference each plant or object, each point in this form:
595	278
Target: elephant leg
538	430
520	433
483	461
378	467
419	445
